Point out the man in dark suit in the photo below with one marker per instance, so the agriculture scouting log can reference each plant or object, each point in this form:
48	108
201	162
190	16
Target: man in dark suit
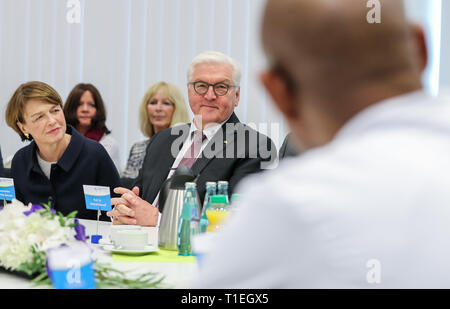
216	145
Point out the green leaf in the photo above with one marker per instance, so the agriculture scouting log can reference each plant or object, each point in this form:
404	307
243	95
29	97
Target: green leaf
108	277
71	215
36	265
41	279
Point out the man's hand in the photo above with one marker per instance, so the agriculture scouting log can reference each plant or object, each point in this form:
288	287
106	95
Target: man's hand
131	209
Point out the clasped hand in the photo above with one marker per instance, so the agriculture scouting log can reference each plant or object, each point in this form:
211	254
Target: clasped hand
131	209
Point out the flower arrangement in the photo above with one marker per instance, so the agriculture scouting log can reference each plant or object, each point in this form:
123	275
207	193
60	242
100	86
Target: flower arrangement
28	232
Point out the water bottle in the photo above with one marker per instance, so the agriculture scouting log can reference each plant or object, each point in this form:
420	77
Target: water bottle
195	213
217	212
189	220
235	197
210	191
222	189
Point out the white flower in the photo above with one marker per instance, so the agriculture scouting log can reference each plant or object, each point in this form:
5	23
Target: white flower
19	233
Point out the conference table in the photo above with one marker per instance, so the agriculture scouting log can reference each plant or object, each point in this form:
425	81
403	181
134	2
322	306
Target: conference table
178	272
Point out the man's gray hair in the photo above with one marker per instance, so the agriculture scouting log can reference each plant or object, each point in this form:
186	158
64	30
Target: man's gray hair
216	57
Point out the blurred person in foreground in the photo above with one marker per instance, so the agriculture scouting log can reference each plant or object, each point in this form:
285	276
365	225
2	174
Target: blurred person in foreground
215	145
162	107
59	160
368	204
85	110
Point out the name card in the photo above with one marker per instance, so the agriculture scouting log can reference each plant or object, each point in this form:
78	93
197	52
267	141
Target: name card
7	191
97	198
71	267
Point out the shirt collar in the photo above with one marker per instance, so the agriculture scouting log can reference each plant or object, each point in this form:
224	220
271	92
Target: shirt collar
210	131
393	110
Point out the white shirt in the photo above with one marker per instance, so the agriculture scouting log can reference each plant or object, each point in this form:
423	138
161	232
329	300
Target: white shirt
209	132
45	166
369	210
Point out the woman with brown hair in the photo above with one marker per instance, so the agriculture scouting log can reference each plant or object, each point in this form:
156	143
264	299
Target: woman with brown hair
59	160
84	109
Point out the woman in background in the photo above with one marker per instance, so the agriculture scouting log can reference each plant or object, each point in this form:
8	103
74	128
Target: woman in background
59	160
163	106
84	109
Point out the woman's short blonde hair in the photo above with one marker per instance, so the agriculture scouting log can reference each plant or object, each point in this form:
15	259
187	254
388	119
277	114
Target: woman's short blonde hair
32	90
180	113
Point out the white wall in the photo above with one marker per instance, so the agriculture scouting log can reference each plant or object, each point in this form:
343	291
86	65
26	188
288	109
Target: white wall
444	75
123	46
429	14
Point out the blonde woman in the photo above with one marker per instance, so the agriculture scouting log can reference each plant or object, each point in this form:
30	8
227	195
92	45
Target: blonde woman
162	107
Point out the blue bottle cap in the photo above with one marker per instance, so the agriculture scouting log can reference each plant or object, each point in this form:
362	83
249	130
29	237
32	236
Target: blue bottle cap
95	238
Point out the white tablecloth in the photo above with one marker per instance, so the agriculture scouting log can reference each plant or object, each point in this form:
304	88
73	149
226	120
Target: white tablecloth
177	275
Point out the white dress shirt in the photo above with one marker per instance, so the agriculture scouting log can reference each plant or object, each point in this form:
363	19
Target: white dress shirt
369	210
209	132
45	166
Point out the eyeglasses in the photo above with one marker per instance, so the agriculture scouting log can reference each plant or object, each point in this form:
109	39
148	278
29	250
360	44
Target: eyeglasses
220	89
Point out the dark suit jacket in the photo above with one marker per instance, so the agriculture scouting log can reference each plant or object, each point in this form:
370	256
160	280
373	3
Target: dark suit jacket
237	151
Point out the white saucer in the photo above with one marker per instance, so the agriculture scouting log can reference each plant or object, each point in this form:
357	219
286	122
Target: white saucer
112	248
104	242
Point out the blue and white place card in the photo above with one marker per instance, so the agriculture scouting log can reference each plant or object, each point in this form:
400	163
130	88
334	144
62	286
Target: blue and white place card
97	197
71	267
7	191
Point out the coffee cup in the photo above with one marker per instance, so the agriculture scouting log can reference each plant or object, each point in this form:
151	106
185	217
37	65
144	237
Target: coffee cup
117	228
131	239
152	235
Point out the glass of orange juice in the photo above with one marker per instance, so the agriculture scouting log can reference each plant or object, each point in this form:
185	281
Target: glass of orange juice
217	212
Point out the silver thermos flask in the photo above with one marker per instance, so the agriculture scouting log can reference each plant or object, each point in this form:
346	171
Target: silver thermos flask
173	206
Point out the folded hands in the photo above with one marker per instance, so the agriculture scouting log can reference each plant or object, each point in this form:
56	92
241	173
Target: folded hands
131	209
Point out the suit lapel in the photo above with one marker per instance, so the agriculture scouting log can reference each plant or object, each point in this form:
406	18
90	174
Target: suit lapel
182	134
161	171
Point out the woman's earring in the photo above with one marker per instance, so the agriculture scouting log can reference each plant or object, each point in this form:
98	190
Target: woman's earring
27	135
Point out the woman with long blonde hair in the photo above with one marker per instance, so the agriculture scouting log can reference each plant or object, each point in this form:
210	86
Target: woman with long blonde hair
162	107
